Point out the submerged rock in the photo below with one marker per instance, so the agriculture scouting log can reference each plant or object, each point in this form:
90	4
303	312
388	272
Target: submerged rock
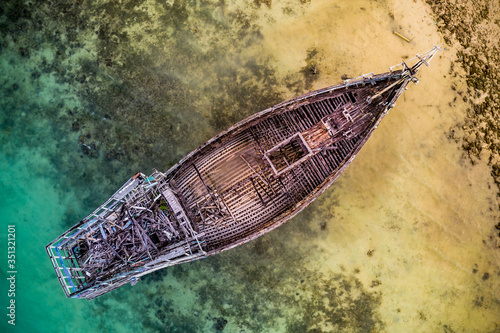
220	323
90	150
114	155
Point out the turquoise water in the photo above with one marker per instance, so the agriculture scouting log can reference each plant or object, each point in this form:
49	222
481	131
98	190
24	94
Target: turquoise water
92	92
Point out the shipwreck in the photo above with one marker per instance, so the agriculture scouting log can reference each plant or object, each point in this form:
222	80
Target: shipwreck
241	184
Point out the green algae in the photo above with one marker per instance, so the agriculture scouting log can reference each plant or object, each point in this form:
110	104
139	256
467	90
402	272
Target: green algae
478	56
142	83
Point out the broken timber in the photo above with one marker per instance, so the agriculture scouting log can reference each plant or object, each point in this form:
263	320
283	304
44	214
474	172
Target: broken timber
239	185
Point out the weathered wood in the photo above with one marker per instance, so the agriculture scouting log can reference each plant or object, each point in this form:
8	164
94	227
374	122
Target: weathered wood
174	217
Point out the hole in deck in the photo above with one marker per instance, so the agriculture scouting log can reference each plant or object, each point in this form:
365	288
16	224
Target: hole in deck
288	153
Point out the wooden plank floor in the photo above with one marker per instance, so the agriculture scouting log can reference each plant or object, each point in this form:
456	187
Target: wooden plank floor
235	173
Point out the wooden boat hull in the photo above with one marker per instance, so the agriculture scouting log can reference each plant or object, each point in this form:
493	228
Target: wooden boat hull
241	184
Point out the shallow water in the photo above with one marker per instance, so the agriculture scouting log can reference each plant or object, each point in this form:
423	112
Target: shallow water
403	241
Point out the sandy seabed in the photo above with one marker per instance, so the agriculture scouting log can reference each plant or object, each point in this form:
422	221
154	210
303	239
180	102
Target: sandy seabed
404	241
